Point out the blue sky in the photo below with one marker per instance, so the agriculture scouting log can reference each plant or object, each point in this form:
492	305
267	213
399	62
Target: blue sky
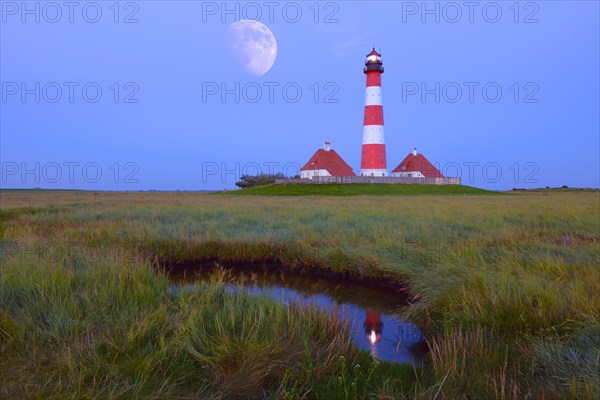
161	130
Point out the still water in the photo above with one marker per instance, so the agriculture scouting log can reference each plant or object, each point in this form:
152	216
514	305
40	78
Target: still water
372	310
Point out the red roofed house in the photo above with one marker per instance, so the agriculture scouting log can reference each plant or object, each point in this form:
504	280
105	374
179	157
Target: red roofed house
326	162
416	166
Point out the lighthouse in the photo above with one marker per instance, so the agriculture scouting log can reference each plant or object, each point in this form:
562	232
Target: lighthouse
373	160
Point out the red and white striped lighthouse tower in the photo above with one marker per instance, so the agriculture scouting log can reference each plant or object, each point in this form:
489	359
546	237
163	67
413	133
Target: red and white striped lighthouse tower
373	160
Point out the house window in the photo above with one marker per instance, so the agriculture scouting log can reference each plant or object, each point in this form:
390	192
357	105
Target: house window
403	167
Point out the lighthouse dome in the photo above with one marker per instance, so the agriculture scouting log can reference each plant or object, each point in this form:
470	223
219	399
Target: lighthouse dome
373	53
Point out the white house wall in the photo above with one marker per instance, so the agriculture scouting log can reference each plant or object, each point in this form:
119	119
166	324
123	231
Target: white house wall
314	172
411	174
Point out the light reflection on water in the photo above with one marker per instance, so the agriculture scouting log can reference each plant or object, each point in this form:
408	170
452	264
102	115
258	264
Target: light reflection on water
371	310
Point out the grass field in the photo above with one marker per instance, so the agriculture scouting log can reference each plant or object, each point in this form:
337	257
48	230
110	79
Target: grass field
506	289
358	189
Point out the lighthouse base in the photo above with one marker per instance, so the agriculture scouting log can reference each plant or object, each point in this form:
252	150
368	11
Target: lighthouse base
373	172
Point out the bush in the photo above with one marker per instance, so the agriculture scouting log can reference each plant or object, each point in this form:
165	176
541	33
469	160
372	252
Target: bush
248	181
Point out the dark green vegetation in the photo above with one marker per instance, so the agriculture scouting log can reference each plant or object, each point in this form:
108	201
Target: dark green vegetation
248	181
357	189
506	289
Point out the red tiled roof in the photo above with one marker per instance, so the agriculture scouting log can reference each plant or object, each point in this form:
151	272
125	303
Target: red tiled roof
330	161
418	163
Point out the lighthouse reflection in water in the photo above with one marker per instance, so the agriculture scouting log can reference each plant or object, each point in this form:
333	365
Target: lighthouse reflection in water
371	311
373	326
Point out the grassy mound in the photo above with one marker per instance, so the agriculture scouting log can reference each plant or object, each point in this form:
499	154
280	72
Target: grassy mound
359	189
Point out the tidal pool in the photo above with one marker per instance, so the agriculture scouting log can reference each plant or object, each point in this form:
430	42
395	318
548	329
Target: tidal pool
371	309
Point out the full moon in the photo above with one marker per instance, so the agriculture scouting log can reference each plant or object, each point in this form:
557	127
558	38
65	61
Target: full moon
253	45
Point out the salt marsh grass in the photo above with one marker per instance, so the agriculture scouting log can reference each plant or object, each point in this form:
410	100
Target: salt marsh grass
506	289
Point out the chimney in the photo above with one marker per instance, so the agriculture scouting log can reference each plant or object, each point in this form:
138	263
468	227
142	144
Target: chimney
327	146
414	151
